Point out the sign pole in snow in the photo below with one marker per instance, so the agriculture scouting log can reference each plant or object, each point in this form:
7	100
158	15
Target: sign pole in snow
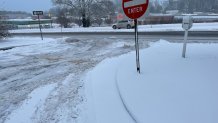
186	25
137	45
134	9
40	27
185	43
39	13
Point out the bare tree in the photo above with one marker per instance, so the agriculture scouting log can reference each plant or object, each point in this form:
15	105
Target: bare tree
101	10
62	18
88	10
82	8
155	7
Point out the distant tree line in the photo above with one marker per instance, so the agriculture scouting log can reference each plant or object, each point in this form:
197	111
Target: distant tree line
14	12
190	6
185	6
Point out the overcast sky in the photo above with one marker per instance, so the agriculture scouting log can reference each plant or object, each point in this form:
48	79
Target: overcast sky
25	5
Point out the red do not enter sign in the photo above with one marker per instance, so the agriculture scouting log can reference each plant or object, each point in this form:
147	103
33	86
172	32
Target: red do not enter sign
134	8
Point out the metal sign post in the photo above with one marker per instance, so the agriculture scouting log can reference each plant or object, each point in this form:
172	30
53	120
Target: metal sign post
137	45
186	25
134	9
40	27
185	44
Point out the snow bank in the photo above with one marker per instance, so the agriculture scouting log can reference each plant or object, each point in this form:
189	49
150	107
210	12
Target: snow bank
104	102
170	89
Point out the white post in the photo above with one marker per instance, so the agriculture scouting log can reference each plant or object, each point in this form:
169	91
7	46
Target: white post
185	43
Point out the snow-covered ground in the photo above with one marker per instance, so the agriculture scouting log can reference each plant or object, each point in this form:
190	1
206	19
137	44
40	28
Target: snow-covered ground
43	81
142	28
35	100
50	81
170	89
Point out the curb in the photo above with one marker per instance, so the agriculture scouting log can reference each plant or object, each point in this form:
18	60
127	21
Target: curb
133	117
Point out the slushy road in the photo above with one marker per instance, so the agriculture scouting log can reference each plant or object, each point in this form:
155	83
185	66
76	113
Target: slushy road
177	36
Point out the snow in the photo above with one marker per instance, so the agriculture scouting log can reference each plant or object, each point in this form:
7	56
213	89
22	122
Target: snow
32	64
29	46
102	93
42	81
16	42
170	89
142	28
35	100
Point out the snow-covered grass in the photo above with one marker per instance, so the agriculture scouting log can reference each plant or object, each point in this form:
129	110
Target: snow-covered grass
170	89
142	28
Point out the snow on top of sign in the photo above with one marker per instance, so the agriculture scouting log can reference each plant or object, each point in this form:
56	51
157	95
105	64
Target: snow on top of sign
134	3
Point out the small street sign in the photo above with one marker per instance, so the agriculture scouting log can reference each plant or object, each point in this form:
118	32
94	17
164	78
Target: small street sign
186	25
135	8
37	12
187	22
